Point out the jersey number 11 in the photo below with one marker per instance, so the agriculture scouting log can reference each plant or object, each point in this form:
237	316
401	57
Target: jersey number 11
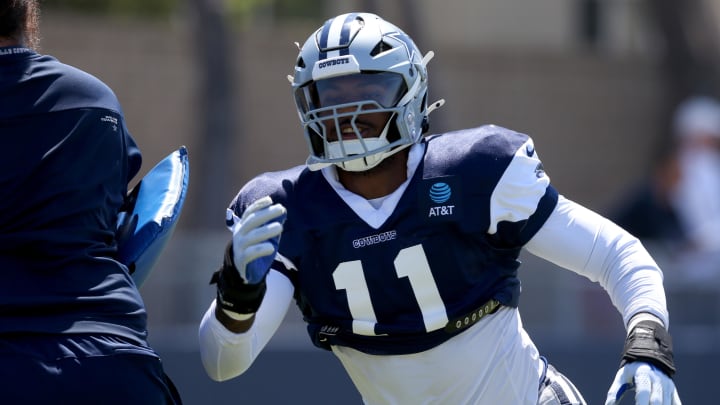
410	262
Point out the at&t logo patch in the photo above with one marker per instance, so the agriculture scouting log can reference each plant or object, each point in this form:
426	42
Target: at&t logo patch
440	193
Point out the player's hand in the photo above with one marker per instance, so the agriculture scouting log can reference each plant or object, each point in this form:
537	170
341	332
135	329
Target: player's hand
647	366
255	238
652	386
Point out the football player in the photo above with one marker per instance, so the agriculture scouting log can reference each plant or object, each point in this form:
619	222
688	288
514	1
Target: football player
401	250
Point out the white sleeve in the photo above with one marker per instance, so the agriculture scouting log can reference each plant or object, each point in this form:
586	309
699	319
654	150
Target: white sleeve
583	241
226	354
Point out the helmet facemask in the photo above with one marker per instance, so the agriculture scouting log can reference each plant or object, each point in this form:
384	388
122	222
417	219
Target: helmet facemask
350	120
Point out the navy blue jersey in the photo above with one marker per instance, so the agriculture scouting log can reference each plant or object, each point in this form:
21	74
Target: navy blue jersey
450	245
68	159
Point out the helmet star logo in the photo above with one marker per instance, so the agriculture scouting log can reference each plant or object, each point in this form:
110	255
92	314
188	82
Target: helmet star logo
406	41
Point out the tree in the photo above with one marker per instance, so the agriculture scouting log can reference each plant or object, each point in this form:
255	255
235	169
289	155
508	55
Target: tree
219	110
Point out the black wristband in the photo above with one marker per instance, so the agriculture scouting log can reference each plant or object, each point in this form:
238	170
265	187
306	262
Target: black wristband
650	342
233	294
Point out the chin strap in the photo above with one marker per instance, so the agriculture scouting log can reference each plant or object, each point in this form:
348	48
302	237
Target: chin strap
434	106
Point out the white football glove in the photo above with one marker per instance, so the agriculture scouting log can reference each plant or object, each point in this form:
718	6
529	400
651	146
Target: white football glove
652	386
255	238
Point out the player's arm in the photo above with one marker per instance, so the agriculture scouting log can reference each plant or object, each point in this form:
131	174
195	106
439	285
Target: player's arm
242	283
583	241
226	354
578	239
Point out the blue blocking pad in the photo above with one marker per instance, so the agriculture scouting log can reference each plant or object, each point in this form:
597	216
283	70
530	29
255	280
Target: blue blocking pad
146	224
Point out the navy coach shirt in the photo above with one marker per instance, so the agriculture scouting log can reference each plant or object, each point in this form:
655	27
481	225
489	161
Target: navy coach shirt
67	159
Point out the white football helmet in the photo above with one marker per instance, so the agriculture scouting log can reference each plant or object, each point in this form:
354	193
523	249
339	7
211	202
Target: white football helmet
388	74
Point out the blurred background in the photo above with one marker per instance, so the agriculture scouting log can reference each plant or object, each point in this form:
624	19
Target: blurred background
595	83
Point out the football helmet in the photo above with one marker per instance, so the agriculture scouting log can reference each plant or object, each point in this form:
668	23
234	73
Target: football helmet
358	64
